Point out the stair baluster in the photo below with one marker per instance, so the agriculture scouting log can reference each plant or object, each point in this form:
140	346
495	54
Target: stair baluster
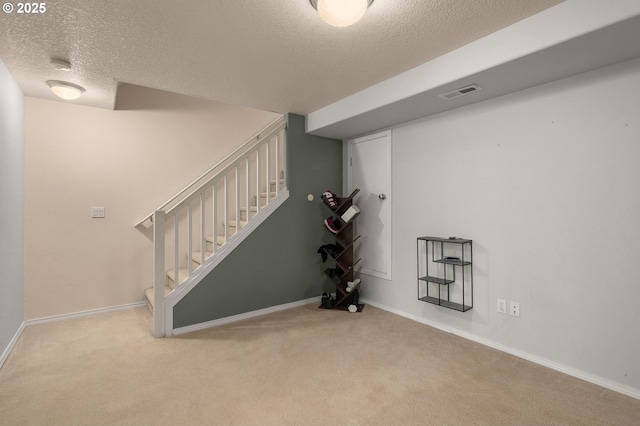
209	242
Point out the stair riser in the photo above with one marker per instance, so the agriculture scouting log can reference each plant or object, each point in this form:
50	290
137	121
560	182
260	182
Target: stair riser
272	186
194	266
243	213
210	245
233	224
148	294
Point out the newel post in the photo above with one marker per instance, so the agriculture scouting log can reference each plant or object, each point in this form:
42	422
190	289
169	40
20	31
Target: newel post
159	275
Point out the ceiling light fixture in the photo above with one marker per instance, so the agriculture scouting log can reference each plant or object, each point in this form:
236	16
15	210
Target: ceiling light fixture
341	13
64	90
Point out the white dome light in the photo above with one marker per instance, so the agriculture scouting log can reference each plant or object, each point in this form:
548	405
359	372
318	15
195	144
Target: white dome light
64	90
341	13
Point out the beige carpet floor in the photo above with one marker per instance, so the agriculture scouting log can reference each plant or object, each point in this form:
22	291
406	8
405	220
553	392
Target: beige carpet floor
303	366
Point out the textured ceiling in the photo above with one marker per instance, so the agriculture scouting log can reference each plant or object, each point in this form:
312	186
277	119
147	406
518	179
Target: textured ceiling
274	55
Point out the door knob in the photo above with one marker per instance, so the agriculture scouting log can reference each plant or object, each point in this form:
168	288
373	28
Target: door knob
382	196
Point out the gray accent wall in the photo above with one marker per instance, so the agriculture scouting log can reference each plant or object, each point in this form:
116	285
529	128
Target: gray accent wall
11	210
278	263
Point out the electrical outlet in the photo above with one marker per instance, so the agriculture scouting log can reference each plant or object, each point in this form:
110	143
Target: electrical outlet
502	306
97	212
514	309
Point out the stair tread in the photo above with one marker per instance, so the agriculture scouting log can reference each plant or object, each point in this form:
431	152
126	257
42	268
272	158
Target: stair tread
183	273
233	223
219	238
196	256
148	293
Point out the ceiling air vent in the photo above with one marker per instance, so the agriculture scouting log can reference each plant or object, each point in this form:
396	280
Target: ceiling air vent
460	92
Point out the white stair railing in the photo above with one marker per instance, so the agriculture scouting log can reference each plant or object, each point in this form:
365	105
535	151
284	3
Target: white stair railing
195	224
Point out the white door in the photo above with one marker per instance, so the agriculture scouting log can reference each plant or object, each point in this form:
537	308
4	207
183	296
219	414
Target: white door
369	169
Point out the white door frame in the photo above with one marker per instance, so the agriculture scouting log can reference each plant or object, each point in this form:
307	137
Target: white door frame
388	194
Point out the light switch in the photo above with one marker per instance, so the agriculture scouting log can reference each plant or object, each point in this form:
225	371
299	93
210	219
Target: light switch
97	212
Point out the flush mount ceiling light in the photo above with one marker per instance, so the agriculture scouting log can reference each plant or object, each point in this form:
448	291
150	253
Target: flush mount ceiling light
341	13
64	90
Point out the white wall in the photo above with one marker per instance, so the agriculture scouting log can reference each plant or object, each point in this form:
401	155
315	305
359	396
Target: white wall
11	211
547	184
129	161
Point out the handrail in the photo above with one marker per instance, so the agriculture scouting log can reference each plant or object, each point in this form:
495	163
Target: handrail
266	133
231	165
226	169
193	224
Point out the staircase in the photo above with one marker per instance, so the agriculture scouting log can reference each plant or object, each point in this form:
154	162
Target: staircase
196	257
202	224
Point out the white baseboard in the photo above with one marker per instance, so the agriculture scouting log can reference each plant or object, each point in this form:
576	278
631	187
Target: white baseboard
591	378
12	343
240	317
63	317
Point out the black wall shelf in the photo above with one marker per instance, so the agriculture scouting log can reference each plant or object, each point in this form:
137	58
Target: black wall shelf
445	272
